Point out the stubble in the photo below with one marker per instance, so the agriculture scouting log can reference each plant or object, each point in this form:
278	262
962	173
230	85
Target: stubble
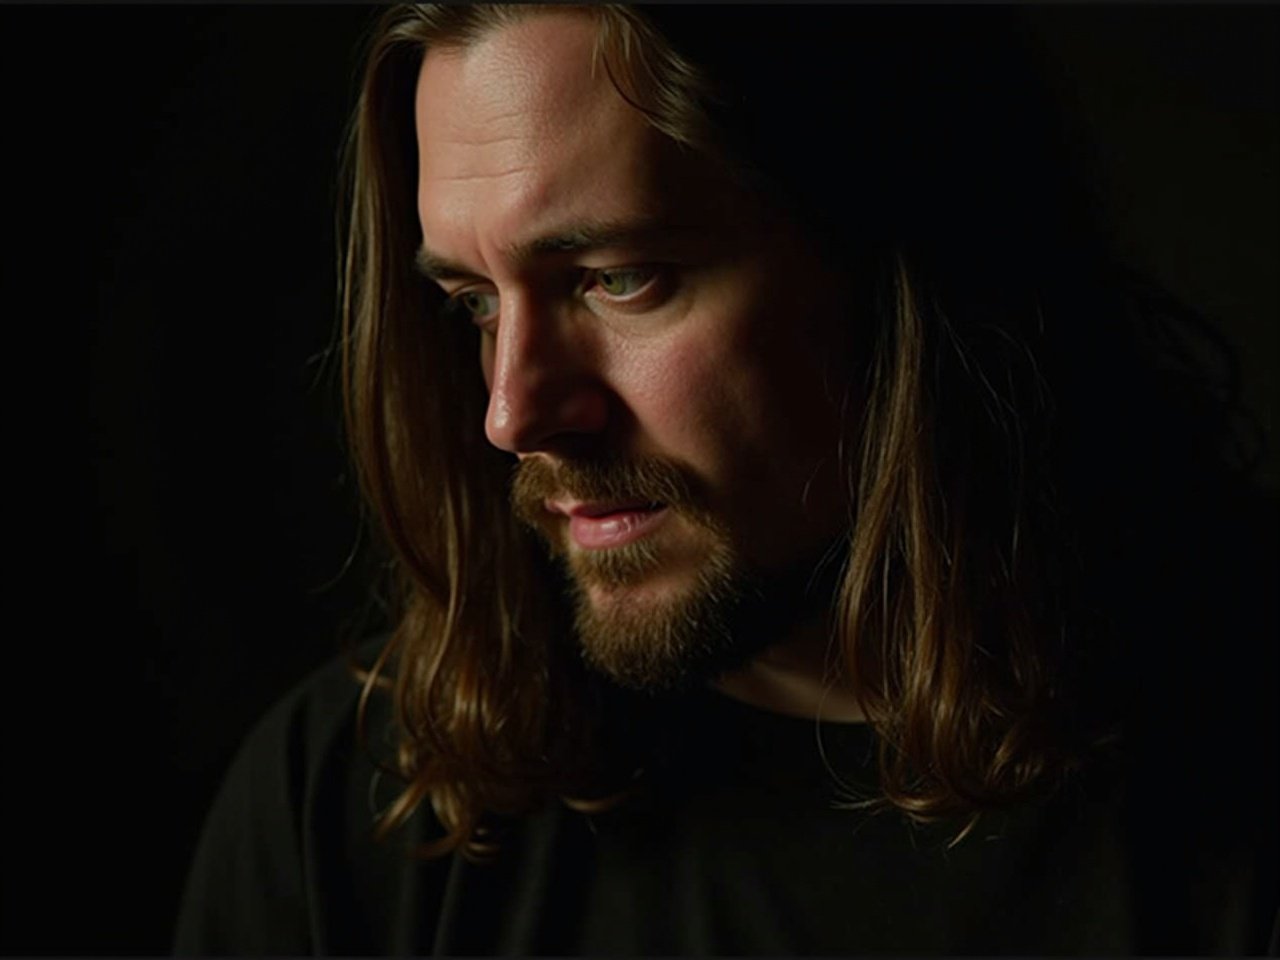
647	639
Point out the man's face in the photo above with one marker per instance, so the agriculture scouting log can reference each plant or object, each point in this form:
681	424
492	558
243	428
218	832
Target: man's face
658	348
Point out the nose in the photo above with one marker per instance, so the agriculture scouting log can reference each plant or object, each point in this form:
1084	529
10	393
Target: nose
544	388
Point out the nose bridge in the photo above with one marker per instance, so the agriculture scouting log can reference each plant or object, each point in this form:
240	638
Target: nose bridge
542	386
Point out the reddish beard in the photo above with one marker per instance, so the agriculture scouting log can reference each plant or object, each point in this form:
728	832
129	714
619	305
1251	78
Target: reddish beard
648	479
657	643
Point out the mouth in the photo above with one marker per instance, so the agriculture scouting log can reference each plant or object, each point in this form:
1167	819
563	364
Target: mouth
601	525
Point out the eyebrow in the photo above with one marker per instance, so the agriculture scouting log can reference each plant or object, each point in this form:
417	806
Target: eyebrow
579	238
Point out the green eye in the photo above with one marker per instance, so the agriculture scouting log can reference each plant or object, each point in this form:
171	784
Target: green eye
474	305
622	282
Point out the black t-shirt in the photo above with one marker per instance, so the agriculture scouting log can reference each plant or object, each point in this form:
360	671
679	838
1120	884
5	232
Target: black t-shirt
743	836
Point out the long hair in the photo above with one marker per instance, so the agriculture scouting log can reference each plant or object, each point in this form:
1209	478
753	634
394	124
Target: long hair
925	162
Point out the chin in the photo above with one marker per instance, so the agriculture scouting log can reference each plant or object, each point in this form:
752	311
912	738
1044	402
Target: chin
662	628
664	631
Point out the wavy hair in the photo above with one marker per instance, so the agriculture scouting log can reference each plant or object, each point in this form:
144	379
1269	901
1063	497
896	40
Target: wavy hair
962	619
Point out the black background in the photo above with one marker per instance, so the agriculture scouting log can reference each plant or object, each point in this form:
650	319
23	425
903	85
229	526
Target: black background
178	490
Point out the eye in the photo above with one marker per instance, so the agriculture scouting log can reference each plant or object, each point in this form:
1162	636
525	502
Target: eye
623	282
478	306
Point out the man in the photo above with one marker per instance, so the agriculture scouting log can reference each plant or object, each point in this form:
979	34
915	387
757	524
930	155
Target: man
718	380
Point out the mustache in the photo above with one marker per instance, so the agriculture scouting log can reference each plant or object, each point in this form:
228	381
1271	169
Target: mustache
652	479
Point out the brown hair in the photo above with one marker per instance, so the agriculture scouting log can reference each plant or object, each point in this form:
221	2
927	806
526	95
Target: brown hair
953	607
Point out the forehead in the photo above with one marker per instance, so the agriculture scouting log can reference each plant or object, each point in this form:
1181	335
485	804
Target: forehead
523	132
533	70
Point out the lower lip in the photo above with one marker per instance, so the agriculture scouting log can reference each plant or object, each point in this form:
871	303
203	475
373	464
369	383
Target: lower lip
614	529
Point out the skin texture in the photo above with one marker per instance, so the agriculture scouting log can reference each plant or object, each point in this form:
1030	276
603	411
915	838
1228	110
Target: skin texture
707	346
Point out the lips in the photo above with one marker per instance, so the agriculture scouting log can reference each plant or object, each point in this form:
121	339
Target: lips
600	525
599	508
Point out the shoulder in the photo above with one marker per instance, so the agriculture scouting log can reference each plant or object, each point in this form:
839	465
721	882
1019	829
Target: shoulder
313	721
287	862
306	740
1203	722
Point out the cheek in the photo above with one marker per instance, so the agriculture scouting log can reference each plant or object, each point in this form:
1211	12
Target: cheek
705	400
678	400
757	423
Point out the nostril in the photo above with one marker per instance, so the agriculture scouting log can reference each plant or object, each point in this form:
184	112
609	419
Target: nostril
542	415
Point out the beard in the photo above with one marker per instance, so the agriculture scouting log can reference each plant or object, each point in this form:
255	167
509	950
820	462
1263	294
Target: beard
722	614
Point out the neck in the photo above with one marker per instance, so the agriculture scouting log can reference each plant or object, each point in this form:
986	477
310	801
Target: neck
791	678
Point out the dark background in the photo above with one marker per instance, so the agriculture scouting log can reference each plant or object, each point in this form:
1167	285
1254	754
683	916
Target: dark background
178	488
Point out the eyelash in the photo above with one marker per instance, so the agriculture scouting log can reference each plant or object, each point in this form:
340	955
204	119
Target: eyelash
650	273
456	302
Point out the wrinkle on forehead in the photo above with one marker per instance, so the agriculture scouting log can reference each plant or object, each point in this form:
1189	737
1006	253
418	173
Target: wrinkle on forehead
487	142
467	177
